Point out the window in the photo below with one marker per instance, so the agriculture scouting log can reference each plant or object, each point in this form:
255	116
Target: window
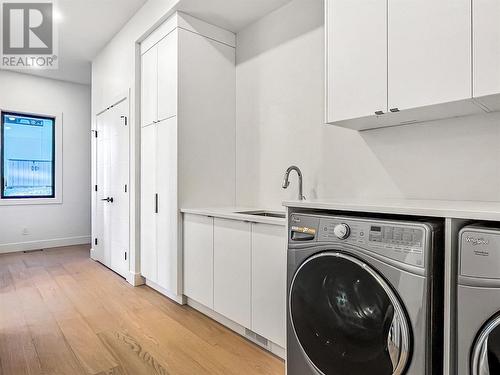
27	156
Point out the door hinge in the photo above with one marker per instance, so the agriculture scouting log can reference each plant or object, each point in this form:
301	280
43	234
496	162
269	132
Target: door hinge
125	188
95	132
125	255
95	187
125	120
95	241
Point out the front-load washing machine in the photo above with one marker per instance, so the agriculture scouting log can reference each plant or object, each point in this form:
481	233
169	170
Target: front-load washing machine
365	296
478	301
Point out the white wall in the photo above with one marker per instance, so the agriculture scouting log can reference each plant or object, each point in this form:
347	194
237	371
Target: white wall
54	224
115	71
280	110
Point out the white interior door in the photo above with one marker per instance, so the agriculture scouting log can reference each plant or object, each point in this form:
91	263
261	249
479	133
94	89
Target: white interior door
113	189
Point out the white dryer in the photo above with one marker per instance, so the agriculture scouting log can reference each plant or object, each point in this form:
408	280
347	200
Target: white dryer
478	301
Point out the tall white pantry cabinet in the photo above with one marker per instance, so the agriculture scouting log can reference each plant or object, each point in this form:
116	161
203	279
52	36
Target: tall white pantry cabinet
187	137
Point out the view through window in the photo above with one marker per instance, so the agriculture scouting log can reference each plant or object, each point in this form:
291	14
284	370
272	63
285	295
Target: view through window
27	156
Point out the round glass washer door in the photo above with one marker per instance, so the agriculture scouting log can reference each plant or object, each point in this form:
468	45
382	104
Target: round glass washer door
346	317
486	351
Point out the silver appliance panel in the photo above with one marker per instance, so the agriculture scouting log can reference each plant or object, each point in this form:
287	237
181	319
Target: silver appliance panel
399	241
480	253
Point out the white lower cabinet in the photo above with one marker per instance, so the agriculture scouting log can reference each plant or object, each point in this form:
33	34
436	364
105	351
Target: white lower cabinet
232	270
238	269
269	282
199	258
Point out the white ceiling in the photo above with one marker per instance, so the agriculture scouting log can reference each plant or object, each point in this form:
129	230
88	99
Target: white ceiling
86	26
233	15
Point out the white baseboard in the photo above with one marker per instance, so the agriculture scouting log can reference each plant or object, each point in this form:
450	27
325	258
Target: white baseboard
176	298
135	279
43	244
276	349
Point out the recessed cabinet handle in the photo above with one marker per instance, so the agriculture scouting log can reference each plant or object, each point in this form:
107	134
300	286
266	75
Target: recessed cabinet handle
378	113
394	110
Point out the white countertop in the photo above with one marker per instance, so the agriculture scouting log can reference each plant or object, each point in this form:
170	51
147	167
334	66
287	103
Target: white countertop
474	210
232	213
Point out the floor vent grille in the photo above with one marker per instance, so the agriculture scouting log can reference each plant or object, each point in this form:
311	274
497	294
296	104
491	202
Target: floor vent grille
32	251
258	339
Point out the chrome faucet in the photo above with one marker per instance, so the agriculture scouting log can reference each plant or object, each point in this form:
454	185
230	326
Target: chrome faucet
286	180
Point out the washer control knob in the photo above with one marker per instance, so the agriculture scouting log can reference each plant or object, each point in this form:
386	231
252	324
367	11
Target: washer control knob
342	231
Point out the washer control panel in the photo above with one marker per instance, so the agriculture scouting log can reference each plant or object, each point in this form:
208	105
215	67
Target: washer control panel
404	242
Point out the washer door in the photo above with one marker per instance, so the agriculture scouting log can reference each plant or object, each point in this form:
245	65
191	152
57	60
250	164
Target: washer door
347	319
486	352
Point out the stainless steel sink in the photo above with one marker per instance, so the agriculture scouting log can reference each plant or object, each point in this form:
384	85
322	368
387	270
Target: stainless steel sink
275	214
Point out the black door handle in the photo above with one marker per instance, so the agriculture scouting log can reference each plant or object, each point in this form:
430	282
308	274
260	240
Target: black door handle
108	199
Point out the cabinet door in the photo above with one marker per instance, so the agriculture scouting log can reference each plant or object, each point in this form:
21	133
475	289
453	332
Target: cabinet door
167	76
168	215
198	243
356	38
148	203
232	262
429	52
486	39
269	281
149	86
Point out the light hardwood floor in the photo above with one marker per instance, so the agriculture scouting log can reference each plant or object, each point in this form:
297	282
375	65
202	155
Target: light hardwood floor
62	313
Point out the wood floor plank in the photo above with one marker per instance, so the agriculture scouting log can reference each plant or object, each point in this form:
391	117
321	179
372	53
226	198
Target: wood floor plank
89	350
114	371
17	352
87	347
63	313
133	358
54	354
214	333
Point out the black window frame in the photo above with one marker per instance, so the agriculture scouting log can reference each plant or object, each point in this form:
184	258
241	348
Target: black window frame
2	155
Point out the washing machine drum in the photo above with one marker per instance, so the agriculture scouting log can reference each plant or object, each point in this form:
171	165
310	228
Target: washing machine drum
347	319
486	352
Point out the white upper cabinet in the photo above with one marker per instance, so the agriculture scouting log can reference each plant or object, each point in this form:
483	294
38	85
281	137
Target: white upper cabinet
167	76
429	49
159	82
397	62
486	52
149	87
356	39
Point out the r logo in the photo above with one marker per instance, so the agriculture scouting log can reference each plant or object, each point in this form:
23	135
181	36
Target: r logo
27	28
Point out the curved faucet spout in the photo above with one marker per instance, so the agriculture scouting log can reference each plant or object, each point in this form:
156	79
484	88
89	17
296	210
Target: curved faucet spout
286	180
